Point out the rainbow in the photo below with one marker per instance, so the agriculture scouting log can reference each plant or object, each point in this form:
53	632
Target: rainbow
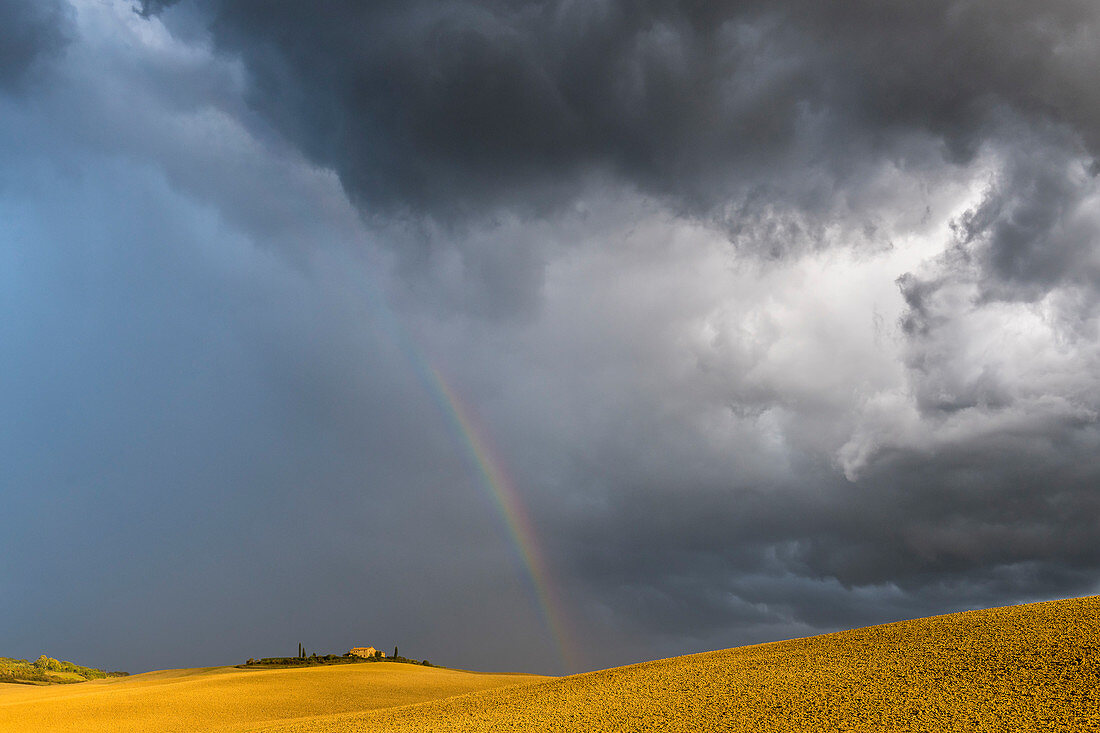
492	477
507	500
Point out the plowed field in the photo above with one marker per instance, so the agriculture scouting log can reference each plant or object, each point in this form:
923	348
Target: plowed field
1019	668
227	698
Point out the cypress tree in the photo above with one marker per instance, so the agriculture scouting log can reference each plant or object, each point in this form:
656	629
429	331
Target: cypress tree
395	652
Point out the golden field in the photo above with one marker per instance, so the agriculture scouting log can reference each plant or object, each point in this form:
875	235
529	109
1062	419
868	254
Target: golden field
1018	668
229	699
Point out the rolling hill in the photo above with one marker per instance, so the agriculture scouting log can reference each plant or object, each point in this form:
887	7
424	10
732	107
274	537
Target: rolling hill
1017	668
230	698
1020	668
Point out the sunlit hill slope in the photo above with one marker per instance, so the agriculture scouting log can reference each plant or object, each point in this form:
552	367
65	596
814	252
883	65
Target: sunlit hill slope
1019	668
229	698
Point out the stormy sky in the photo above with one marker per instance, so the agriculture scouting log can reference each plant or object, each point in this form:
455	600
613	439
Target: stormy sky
780	317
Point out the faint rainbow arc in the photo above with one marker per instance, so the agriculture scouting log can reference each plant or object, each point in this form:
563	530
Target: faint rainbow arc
493	479
512	511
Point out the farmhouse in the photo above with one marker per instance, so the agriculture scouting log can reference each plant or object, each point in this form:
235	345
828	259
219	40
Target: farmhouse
366	651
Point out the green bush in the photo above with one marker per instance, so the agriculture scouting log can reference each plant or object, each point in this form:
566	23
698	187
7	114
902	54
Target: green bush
44	662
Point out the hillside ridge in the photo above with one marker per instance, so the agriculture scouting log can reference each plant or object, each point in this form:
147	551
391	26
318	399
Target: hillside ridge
1026	667
1012	668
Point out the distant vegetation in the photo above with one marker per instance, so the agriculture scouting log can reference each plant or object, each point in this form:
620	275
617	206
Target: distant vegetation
309	660
48	671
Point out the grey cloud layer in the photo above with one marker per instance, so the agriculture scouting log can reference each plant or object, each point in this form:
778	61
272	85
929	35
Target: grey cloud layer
794	126
784	316
29	31
451	107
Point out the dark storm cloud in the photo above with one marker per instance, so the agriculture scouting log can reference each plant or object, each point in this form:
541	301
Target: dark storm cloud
1037	228
881	402
1002	516
971	482
29	31
202	418
449	108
